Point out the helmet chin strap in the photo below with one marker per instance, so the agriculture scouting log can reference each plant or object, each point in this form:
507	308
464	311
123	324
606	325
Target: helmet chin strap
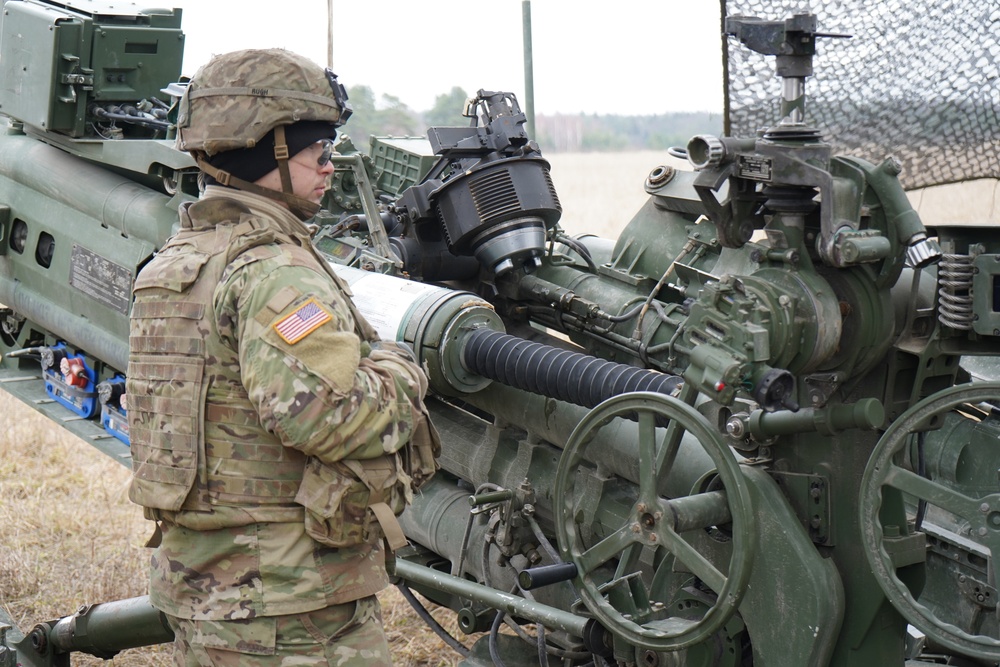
301	207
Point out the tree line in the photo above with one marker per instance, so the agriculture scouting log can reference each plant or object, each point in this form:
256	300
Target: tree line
389	116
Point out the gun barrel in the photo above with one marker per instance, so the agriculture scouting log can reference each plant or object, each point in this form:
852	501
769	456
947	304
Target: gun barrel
102	629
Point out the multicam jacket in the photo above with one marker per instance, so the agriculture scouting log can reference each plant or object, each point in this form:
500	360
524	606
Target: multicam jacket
249	367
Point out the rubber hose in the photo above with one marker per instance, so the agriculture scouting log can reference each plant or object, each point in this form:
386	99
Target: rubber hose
573	377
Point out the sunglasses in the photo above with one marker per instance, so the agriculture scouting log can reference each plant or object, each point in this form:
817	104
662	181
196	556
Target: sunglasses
327	154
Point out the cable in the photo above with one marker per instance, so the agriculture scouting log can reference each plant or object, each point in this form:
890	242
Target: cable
579	248
432	622
543	655
494	633
543	539
104	114
544	650
629	314
554	651
687	248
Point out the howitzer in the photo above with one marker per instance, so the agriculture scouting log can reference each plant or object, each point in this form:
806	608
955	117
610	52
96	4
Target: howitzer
758	428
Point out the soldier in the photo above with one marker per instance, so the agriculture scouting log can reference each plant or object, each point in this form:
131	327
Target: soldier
268	423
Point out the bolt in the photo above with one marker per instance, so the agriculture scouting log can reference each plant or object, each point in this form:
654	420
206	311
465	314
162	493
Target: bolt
39	639
982	531
984	508
893	165
660	175
850	252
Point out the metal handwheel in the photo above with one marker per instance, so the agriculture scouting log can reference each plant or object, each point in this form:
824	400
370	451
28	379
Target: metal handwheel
657	522
983	515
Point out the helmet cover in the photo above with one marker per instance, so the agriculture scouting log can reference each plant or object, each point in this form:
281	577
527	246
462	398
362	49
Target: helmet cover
235	99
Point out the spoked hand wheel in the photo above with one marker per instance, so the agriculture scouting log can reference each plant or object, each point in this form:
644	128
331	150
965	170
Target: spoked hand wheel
656	522
982	513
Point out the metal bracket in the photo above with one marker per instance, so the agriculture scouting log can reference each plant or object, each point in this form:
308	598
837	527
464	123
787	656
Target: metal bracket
8	656
77	79
981	594
810	496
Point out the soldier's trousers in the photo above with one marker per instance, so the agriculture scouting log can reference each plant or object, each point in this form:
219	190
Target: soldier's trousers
347	635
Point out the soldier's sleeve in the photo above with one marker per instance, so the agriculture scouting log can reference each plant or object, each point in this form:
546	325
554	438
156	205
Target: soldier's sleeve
307	372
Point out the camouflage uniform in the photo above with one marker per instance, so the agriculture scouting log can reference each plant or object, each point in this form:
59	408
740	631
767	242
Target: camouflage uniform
257	398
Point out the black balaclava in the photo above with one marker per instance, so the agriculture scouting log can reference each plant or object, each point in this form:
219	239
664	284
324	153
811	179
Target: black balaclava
249	164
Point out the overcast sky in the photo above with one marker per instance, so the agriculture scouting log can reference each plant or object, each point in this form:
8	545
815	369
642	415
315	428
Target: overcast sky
625	57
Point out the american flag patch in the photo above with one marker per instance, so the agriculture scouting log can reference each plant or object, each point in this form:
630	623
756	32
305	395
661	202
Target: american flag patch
301	322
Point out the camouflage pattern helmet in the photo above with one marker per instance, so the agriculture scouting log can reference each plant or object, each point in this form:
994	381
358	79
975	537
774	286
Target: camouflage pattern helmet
237	98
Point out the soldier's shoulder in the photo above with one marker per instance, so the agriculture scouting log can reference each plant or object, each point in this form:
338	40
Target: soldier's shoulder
272	258
216	210
266	252
274	254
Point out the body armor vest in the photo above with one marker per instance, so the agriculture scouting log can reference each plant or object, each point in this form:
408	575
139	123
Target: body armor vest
200	456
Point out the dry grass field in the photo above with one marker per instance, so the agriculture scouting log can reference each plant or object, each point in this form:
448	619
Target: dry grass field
69	535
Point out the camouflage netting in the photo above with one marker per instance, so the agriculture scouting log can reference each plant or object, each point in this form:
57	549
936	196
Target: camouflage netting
919	79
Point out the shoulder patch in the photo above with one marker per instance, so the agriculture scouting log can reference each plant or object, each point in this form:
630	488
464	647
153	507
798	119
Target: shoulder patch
302	321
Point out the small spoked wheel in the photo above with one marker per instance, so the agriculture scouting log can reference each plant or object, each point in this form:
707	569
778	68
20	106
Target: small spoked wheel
981	513
656	522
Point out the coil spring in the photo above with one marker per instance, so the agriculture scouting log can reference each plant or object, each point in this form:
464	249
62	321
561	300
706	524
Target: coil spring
955	291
